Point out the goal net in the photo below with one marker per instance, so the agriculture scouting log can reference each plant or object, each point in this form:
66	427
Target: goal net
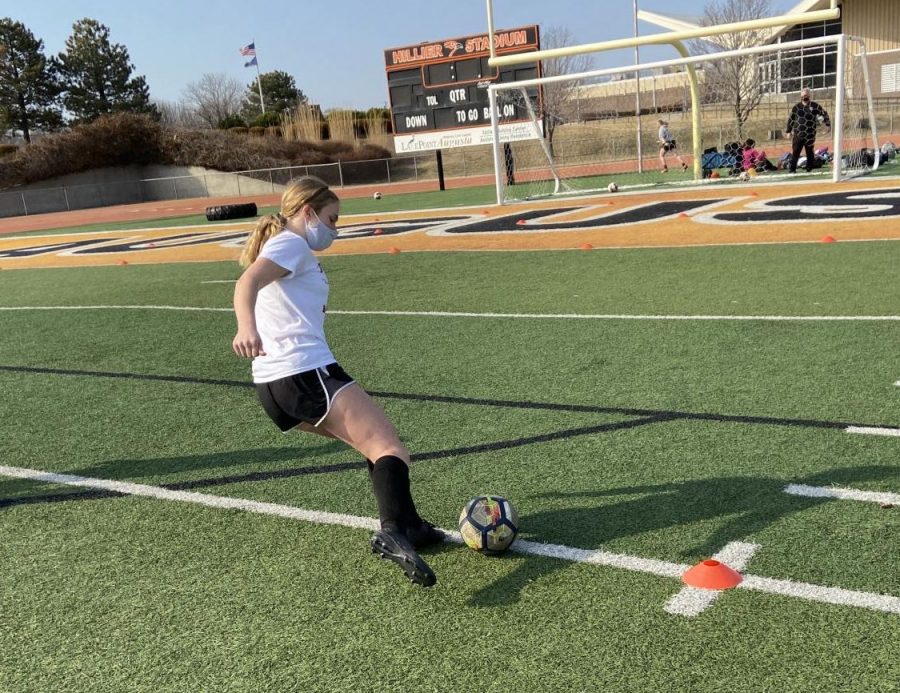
702	111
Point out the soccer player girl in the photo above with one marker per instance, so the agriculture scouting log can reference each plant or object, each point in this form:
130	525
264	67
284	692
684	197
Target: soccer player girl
279	302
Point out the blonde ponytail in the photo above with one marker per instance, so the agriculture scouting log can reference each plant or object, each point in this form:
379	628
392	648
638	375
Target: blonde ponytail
266	227
308	190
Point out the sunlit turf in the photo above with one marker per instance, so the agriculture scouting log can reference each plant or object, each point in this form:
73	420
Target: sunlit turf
137	594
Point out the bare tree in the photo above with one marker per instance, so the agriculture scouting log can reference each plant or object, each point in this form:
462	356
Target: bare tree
559	95
214	97
735	81
178	114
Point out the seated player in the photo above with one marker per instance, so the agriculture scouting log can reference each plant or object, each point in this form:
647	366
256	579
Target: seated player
753	158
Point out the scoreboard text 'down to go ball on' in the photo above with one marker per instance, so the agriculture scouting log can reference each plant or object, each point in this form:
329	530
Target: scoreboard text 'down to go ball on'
438	91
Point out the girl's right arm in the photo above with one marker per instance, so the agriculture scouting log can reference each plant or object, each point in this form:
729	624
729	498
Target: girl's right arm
247	341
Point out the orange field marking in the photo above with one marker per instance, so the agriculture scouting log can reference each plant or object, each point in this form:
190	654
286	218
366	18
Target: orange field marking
698	217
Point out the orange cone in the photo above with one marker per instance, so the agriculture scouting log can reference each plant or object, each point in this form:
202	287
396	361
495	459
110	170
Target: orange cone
521	222
485	212
683	215
828	239
394	250
377	232
712	575
586	246
122	262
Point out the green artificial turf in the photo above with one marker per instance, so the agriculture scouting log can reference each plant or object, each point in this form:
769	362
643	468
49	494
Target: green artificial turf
103	593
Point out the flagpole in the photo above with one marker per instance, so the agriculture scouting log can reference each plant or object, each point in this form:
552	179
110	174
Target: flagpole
262	104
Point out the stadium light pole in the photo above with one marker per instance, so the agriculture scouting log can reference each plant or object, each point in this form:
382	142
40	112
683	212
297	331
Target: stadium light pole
637	93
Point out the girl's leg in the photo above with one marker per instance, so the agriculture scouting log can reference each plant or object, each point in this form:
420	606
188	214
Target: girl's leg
662	159
361	423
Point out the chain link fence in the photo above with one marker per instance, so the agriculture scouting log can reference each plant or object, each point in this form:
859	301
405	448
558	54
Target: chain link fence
241	183
599	140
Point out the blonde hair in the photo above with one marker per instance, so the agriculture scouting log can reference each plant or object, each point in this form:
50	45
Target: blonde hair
308	190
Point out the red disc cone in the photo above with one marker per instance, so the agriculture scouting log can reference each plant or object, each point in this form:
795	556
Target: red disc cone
377	232
711	575
586	246
394	250
828	239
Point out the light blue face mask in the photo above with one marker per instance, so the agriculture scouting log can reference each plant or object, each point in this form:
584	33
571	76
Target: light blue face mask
319	235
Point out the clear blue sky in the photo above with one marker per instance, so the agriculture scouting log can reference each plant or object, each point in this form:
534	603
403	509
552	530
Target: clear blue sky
332	49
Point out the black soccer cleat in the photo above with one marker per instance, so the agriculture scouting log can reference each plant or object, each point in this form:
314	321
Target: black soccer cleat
425	534
395	547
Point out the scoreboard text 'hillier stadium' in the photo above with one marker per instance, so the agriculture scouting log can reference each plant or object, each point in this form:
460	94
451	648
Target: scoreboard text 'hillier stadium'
438	91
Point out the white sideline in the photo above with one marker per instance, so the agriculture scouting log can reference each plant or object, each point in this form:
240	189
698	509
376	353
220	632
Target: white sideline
874	431
810	592
842	493
527	316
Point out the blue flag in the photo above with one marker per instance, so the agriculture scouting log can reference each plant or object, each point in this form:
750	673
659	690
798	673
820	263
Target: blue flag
251	63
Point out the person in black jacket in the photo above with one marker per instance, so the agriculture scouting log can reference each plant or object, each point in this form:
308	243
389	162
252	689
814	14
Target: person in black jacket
805	117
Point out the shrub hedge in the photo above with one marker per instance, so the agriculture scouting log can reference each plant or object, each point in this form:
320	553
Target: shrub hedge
124	139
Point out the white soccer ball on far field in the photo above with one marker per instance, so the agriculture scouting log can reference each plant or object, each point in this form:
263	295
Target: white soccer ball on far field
744	176
376	195
612	187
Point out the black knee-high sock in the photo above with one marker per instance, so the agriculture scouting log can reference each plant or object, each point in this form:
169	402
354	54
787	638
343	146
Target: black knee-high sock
390	481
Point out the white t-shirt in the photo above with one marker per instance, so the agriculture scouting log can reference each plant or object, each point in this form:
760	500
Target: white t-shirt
664	134
290	312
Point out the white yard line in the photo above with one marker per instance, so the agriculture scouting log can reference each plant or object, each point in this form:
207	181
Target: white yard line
800	590
526	316
114	307
206	499
842	493
691	601
874	431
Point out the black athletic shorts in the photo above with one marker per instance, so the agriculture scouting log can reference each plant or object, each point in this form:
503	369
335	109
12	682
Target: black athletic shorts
302	397
669	146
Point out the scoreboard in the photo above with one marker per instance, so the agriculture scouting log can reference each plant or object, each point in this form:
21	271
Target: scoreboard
438	91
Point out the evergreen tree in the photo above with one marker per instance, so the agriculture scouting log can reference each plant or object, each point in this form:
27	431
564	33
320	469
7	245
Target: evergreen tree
279	92
97	75
29	84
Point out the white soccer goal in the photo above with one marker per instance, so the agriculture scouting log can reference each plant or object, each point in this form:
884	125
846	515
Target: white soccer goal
710	103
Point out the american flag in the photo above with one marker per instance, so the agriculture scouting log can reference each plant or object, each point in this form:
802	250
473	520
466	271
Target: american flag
249	49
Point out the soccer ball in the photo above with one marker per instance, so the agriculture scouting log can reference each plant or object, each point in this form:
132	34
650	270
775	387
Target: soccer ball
376	196
612	187
744	176
489	524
